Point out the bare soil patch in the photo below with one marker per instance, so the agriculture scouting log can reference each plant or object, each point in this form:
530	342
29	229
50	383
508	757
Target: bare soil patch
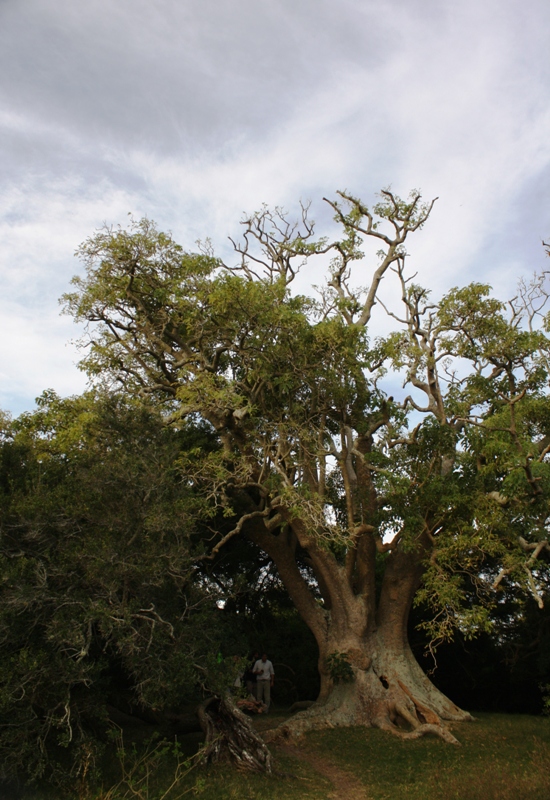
345	785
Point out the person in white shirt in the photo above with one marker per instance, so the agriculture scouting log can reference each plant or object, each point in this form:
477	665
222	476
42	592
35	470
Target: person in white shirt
265	677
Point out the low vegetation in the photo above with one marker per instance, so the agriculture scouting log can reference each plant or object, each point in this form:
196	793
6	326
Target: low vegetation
501	756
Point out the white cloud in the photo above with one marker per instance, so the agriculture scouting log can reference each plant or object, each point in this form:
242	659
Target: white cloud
193	113
35	354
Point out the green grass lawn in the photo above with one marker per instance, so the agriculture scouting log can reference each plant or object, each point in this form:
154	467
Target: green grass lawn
501	757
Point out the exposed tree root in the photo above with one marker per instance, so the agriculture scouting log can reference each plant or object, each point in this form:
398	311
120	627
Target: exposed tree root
229	736
301	705
418	730
437	730
288	732
380	702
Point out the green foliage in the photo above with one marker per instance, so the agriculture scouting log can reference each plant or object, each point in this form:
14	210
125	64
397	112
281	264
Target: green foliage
339	667
266	406
285	380
154	770
100	604
267	419
489	429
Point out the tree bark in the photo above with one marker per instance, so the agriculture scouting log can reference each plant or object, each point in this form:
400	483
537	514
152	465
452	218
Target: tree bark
388	689
229	736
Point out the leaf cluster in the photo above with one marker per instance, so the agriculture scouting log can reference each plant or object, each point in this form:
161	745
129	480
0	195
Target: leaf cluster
101	600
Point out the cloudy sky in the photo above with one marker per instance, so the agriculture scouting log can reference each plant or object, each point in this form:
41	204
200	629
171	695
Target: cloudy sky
195	111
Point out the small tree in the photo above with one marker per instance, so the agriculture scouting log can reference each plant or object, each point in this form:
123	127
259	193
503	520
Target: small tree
358	499
101	605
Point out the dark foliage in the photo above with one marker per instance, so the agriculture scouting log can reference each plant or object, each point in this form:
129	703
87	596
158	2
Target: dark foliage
100	601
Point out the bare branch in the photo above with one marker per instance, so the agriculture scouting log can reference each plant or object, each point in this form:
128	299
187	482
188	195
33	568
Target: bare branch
234	532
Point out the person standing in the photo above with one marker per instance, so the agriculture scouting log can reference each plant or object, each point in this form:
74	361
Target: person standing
249	676
265	678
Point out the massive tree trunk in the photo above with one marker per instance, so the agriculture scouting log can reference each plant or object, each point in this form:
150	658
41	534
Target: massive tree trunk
386	688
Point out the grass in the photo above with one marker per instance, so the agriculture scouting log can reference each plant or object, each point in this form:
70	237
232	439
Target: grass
502	757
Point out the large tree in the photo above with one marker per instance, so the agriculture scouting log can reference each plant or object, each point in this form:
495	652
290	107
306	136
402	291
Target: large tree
360	500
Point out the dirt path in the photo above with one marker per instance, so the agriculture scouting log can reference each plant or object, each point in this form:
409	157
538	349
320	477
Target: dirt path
345	785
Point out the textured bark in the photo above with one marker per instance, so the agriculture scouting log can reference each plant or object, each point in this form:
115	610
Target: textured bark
229	736
389	690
